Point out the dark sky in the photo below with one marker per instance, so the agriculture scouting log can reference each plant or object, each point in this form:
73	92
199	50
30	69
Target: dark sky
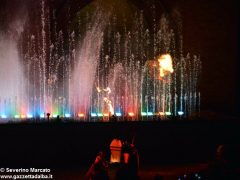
210	28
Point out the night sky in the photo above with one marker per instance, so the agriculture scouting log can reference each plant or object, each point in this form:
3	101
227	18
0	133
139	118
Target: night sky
210	29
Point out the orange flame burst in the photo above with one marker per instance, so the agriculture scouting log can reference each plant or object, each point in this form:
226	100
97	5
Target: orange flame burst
165	65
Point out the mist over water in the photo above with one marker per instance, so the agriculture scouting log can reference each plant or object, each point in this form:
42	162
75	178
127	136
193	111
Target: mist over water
12	91
87	60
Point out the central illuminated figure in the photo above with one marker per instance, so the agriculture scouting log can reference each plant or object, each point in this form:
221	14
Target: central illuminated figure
106	99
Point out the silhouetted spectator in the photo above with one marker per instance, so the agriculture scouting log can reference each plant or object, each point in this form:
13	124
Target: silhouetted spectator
58	119
225	165
113	118
130	167
98	170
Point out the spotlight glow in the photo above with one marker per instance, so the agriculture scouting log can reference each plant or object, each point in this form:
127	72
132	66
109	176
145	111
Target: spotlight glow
17	116
118	114
161	113
150	113
131	114
99	114
4	116
42	115
143	113
106	114
29	116
168	113
67	115
180	113
80	115
93	114
55	115
23	116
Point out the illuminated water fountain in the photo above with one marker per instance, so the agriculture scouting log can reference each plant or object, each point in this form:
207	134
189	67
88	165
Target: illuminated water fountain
105	63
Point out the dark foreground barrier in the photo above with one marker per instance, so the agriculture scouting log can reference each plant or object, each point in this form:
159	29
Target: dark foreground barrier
76	144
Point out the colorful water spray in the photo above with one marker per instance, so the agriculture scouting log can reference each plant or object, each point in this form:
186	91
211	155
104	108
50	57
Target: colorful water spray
101	66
